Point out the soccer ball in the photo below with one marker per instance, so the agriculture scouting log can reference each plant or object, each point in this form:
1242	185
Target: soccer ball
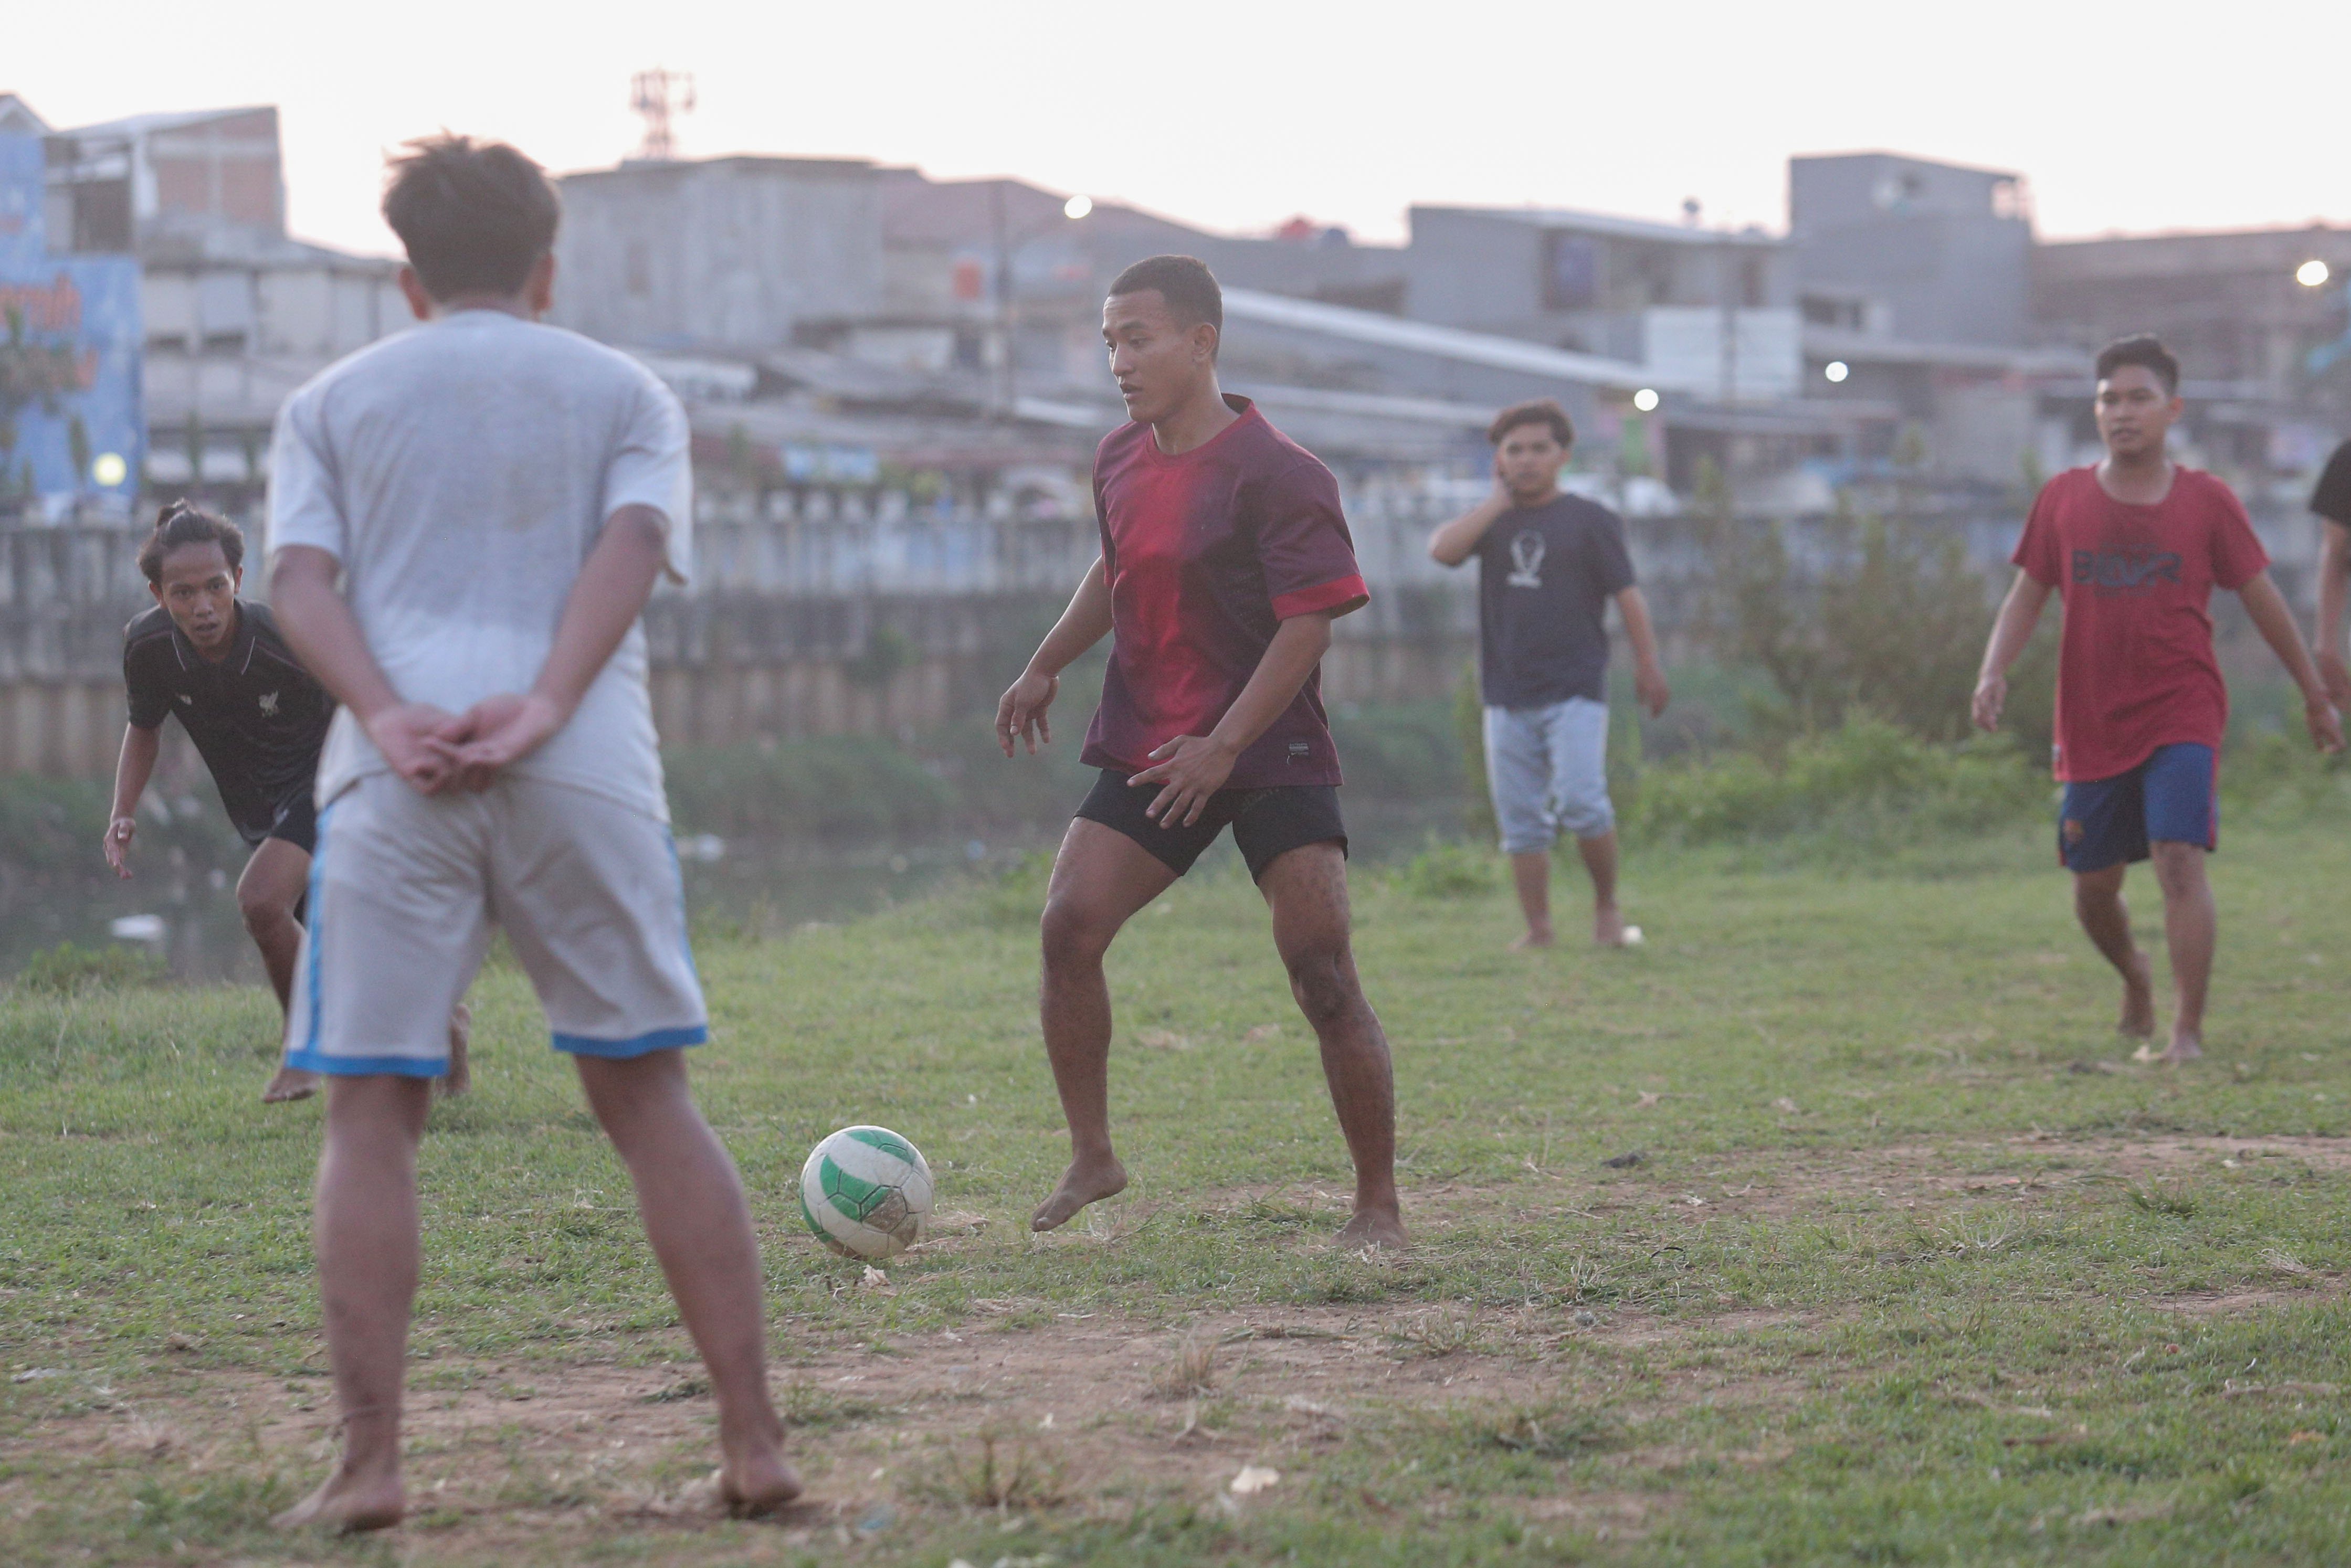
865	1192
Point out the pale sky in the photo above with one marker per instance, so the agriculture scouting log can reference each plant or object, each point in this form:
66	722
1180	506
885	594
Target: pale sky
1236	115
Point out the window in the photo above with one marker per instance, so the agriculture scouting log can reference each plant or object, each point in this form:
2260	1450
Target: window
1570	273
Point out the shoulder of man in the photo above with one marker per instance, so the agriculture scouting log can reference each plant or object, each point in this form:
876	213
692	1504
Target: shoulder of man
2208	489
146	627
1119	443
360	363
2065	486
264	621
1266	445
1583	510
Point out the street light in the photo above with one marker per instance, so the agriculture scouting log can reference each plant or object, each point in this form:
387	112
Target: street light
2312	274
1645	400
1837	369
1006	241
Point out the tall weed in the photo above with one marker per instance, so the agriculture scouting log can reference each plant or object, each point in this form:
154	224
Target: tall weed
1865	773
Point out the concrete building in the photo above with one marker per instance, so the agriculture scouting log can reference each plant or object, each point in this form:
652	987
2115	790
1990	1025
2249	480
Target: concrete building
126	183
2264	337
235	313
1700	306
1943	252
737	253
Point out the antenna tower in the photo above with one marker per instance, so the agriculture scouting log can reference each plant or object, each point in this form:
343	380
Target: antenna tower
658	95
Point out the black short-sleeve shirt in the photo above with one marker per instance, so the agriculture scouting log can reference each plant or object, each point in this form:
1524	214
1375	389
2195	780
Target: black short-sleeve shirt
258	718
2332	499
1545	575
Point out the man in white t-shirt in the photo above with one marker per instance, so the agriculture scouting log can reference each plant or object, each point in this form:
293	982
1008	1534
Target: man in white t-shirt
464	523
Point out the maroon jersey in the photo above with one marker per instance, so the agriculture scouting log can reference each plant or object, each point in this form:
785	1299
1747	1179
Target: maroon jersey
2135	666
1206	554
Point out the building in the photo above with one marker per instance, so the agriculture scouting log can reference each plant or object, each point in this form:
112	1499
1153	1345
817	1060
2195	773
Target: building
1707	307
121	185
2261	319
70	430
236	314
734	253
1941	253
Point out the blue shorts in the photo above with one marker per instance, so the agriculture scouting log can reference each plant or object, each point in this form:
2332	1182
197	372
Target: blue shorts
2173	797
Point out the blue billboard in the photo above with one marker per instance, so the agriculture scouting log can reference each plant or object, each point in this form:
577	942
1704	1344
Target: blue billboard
72	429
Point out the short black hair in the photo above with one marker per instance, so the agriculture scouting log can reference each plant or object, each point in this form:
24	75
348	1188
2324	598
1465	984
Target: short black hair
2141	349
184	523
1542	411
1191	290
476	216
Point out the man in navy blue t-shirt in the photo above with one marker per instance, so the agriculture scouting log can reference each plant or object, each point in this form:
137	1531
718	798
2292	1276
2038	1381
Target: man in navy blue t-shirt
1547	564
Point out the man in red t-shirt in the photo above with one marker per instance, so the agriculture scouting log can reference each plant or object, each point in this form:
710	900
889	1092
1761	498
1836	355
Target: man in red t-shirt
2135	546
1225	560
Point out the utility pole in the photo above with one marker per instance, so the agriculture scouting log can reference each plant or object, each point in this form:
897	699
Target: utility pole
1006	393
1726	293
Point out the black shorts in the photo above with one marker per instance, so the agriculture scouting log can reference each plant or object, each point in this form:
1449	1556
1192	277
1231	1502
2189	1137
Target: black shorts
295	819
1267	823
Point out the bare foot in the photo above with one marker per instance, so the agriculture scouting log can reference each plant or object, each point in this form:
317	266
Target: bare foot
2185	1046
1536	936
751	1486
2138	1000
460	1076
1083	1182
1375	1228
289	1083
345	1504
1607	926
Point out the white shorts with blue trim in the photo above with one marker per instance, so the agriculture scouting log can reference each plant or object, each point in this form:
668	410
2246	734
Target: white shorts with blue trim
405	888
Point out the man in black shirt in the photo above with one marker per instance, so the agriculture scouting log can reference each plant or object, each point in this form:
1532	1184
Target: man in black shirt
258	721
2332	502
1548	565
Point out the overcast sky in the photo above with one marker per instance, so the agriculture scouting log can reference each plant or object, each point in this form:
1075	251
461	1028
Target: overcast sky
1237	115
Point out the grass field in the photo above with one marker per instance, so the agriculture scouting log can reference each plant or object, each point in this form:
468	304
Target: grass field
1912	1265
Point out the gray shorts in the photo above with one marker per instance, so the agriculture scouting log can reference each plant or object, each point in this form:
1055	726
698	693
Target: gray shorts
1547	768
405	888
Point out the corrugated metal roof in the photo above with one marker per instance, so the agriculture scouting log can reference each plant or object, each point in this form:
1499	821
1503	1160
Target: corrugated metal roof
1370	328
1649	229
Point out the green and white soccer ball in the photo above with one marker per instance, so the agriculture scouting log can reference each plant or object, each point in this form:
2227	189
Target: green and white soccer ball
866	1192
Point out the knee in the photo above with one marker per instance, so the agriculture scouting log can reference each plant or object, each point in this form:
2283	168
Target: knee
2178	867
1323	979
262	913
1588	816
1073	937
2095	892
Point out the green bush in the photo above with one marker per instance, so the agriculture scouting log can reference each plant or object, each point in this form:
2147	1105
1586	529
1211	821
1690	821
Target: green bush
827	784
1016	897
54	826
1445	870
67	970
1885	615
1867	768
1400	750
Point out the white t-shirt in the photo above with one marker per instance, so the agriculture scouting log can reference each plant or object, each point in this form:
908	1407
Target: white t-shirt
461	472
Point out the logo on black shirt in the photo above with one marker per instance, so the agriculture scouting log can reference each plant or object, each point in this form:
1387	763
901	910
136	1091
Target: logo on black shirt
269	705
2126	571
1526	561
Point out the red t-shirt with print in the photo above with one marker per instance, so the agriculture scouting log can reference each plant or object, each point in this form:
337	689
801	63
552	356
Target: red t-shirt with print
1206	554
2135	664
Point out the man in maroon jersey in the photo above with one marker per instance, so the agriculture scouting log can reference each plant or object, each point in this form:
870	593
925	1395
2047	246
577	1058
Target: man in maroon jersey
2134	546
1225	560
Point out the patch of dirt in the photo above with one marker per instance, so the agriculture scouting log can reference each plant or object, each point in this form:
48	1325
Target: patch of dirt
527	1459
